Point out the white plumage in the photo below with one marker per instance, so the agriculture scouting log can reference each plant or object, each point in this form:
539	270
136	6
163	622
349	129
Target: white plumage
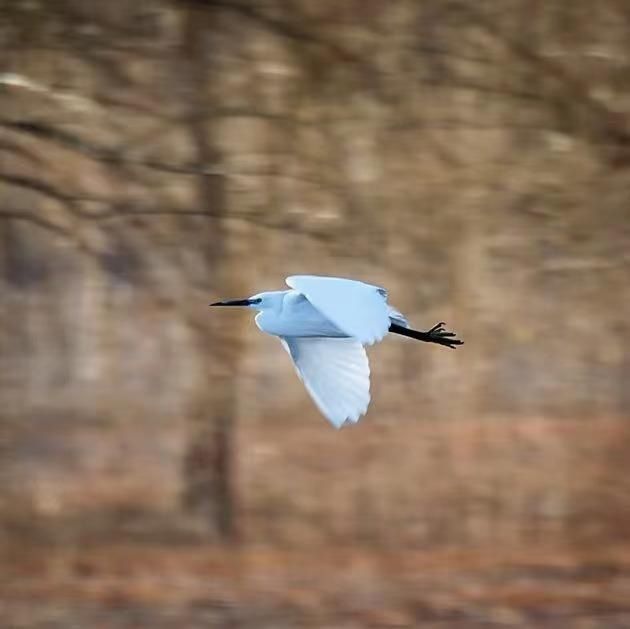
324	323
359	309
335	372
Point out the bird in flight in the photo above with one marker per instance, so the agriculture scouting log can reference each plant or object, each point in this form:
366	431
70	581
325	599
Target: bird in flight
325	323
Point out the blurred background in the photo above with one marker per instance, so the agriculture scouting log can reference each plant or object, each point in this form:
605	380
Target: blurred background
160	463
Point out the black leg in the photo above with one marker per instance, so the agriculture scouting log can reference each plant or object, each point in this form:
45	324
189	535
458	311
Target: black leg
437	334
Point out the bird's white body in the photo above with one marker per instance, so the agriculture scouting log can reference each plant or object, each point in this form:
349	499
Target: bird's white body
291	314
324	324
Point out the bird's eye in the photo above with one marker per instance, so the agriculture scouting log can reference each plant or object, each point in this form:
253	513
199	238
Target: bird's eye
257	301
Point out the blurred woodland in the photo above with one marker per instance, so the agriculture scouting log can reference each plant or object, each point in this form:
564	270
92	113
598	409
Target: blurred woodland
473	156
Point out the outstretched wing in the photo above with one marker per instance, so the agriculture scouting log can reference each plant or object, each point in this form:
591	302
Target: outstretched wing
335	372
360	310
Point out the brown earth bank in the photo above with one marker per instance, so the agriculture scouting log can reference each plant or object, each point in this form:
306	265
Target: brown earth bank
393	481
432	523
147	585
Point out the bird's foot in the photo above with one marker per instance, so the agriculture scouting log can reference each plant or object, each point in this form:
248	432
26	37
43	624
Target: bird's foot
440	335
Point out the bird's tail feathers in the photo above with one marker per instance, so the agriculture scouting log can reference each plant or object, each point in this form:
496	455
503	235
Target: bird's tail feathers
397	317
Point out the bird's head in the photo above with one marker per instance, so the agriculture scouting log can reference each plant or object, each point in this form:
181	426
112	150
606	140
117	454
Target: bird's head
260	301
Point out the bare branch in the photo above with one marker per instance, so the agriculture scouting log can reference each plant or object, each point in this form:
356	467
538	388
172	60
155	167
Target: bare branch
14	148
575	90
35	185
36	220
96	152
68	99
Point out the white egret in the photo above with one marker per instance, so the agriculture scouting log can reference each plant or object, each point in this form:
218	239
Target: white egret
324	324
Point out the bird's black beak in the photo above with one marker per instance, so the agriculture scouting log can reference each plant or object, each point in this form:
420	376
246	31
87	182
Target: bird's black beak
233	302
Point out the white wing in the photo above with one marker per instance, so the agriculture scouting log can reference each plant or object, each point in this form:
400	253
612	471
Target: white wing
335	372
360	310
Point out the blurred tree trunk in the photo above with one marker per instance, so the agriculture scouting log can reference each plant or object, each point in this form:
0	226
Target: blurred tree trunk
210	484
